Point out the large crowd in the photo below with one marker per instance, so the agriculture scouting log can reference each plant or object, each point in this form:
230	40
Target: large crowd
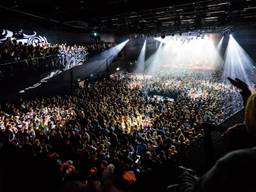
17	58
204	95
115	131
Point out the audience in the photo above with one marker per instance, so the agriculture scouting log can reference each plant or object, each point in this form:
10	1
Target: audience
235	171
17	58
112	133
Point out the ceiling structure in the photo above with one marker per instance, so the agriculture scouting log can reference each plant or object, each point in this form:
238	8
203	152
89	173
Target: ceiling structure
139	16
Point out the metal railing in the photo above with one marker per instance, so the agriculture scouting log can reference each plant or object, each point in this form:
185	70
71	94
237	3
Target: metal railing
40	65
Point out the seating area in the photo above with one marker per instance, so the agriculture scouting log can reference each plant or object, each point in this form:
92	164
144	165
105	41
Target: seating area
17	59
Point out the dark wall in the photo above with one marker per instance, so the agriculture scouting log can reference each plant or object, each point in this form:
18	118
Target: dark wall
59	36
245	36
53	31
72	37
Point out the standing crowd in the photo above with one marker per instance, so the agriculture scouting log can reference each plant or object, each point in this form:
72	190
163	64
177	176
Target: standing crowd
113	132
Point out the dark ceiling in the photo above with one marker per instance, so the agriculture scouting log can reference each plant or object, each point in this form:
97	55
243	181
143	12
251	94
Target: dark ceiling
139	16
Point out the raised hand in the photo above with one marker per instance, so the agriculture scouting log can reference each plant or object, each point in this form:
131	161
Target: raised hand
238	83
245	91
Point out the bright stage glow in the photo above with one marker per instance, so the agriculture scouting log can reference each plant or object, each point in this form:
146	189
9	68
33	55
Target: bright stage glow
165	40
238	63
185	53
140	64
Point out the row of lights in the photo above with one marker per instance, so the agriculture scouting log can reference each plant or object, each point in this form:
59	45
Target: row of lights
163	35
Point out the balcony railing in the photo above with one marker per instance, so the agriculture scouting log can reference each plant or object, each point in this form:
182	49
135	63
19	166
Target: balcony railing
40	65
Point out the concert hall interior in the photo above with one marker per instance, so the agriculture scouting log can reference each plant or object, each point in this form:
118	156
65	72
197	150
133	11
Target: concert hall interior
127	96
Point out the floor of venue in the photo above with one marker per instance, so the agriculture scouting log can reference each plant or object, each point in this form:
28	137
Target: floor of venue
67	80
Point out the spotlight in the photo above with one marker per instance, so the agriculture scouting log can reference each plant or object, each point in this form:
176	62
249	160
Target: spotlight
105	59
117	69
95	34
238	64
140	63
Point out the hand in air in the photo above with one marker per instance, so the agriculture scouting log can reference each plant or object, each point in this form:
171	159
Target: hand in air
238	83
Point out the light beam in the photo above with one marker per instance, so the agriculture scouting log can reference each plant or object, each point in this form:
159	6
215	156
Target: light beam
140	63
238	63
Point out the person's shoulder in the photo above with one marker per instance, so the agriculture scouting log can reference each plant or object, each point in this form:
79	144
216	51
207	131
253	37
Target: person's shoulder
239	156
240	127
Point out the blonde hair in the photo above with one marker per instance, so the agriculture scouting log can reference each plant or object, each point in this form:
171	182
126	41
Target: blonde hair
250	114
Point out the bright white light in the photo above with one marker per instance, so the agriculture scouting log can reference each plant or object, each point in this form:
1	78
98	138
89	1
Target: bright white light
238	63
95	34
220	43
140	64
165	40
182	53
100	62
117	69
153	61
